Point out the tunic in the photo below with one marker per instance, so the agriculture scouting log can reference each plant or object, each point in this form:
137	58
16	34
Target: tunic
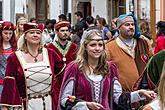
66	56
130	63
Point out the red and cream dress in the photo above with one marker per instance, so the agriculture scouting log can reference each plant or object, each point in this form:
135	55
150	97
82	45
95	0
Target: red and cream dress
38	78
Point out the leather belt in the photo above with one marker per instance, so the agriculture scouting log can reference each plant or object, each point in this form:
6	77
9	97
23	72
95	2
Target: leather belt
38	96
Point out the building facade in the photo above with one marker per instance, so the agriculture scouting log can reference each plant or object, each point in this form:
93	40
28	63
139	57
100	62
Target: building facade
151	10
11	10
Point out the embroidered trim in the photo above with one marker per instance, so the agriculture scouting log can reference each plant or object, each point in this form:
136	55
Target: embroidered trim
10	105
9	77
61	72
63	52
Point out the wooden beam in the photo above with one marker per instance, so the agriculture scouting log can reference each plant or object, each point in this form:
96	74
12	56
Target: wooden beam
162	10
153	19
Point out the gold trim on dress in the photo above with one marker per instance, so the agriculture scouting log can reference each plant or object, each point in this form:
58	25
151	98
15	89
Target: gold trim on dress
65	51
8	105
9	77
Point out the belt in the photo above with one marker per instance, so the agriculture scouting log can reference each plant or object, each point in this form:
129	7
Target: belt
38	96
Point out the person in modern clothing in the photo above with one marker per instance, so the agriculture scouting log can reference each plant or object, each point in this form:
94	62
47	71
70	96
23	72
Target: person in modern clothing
160	37
65	49
8	45
30	72
33	20
80	19
90	79
48	32
114	29
101	22
62	17
77	32
90	24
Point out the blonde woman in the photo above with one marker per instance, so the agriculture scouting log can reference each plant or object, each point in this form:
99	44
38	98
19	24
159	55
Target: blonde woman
29	77
20	22
88	81
159	103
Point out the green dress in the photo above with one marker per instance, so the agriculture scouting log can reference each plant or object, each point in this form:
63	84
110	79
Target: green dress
151	75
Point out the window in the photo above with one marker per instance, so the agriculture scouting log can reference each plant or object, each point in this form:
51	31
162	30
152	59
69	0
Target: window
118	7
41	10
0	10
122	7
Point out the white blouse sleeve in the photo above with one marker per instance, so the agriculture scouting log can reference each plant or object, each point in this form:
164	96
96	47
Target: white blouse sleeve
117	91
68	90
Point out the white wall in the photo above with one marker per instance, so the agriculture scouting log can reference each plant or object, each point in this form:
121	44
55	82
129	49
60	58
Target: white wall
55	8
6	10
69	6
19	4
99	8
127	6
157	10
130	6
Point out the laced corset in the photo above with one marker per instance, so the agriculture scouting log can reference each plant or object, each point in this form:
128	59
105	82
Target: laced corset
38	76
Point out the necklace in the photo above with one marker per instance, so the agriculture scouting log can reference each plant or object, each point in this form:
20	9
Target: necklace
35	57
94	69
62	51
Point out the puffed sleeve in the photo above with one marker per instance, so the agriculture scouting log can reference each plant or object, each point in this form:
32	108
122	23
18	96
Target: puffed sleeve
10	96
68	88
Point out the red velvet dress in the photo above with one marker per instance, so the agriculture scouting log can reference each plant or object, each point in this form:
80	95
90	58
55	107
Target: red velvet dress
69	55
15	92
83	86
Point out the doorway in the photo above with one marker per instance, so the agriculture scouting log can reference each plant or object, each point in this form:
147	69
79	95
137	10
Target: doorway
41	10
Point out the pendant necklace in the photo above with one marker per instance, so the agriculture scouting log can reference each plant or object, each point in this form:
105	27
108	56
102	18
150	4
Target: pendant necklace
62	51
35	57
94	69
64	59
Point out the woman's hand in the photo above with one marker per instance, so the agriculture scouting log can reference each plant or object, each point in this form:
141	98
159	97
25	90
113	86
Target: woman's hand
147	94
94	106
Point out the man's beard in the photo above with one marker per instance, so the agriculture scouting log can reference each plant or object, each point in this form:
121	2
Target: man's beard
127	33
63	38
